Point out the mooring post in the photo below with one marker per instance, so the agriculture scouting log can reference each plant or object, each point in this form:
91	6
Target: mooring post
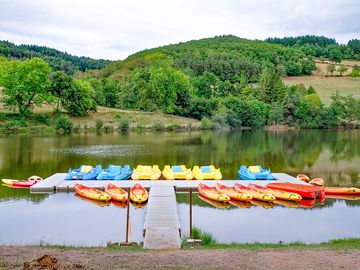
190	205
127	217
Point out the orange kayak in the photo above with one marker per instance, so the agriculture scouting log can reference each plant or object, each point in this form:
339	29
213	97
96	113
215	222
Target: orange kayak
212	193
266	197
281	195
304	190
233	193
342	191
116	193
138	194
92	193
343	197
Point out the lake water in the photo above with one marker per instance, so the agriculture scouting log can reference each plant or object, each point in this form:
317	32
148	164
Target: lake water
66	219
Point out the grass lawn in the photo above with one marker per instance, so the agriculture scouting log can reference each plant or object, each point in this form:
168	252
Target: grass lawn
326	86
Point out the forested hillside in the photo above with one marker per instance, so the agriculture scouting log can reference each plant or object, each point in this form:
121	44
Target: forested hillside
57	60
320	46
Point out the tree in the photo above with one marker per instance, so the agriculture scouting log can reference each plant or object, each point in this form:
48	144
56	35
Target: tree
342	69
335	53
60	82
79	99
25	84
272	88
331	68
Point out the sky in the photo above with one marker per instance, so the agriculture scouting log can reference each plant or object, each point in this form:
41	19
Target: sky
114	29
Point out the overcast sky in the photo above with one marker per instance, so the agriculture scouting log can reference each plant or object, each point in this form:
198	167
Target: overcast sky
114	29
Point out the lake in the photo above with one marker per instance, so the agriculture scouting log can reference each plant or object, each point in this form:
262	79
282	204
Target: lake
65	219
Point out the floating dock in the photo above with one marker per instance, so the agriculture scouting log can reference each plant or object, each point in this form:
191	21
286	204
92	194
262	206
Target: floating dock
57	183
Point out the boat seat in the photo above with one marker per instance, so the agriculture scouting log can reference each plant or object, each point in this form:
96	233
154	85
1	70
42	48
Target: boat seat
176	169
205	169
254	169
85	169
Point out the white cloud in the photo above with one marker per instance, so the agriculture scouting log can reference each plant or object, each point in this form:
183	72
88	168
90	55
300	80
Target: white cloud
116	28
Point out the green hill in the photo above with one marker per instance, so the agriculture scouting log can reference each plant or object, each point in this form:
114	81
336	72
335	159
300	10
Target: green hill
58	60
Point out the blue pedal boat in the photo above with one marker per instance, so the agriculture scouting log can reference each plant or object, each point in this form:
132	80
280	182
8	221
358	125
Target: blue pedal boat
114	172
85	172
254	173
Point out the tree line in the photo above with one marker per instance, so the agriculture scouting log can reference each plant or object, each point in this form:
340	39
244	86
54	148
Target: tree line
321	47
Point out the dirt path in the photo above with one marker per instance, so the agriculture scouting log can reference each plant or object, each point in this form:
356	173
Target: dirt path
14	258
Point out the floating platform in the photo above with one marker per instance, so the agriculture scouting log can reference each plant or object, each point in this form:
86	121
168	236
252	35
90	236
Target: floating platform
57	183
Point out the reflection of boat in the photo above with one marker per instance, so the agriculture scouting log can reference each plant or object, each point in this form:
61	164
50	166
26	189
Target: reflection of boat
233	193
241	204
307	203
268	197
216	204
114	172
98	203
212	193
119	204
343	197
281	195
304	190
179	172
138	194
146	173
342	191
91	193
206	173
290	204
138	205
263	204
116	193
85	172
254	172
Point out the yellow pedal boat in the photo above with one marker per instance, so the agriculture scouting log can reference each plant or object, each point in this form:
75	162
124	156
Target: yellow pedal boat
146	173
179	172
206	173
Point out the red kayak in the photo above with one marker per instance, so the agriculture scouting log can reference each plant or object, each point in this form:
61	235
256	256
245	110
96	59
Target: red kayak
28	183
305	191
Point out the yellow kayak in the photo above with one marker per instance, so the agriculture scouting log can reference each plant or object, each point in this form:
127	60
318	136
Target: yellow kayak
146	173
266	197
138	194
212	193
233	193
9	182
206	173
91	193
281	195
179	172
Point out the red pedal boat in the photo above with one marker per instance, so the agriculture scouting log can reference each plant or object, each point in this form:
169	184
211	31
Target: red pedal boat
305	191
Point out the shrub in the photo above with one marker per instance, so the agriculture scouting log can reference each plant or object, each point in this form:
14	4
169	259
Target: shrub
99	124
42	119
108	128
124	124
63	123
77	128
158	126
206	123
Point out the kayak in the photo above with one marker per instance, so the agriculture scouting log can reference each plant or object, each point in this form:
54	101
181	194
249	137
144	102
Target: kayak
263	204
85	172
233	193
281	195
114	172
91	193
212	193
206	173
22	183
179	172
303	177
267	197
146	173
217	204
290	204
138	194
317	182
9	182
304	190
241	204
342	191
254	172
116	193
343	197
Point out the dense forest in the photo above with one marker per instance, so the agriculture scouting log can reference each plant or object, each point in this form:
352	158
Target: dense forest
223	81
321	47
57	60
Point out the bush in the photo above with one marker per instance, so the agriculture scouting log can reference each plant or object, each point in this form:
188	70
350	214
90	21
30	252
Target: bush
42	119
108	128
206	123
63	123
158	126
124	124
77	128
99	124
